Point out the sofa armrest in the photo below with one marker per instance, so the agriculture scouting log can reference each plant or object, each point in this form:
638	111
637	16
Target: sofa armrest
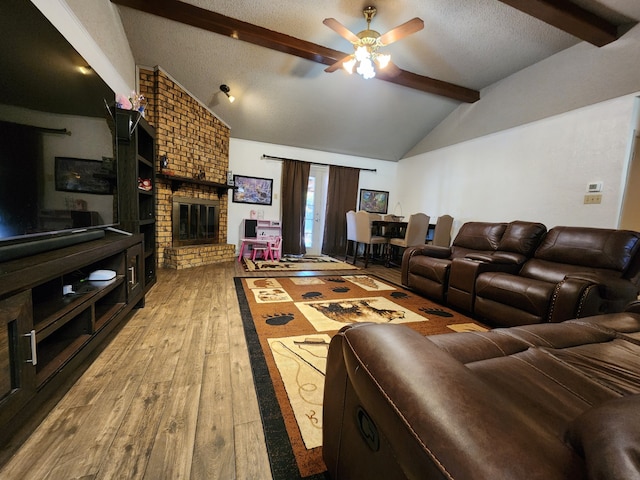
435	414
427	250
633	307
608	437
568	297
586	294
610	288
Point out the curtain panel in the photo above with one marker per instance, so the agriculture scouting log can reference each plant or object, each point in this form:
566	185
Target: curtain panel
342	196
295	179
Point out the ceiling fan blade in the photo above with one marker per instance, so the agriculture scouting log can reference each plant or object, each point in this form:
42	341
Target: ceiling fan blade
188	14
412	26
341	30
338	65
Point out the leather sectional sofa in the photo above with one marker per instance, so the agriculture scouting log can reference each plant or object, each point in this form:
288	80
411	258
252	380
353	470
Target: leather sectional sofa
519	273
546	401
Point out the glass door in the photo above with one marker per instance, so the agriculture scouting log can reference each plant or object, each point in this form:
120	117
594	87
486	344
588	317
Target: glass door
315	209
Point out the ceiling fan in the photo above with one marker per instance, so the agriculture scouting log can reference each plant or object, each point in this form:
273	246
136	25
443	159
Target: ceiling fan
367	43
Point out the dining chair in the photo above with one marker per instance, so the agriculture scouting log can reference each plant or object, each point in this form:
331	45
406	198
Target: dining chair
416	232
351	234
364	235
442	231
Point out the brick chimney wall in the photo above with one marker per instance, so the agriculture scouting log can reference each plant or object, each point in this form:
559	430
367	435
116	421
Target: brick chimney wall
194	140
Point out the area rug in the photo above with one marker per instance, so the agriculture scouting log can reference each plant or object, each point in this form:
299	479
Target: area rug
297	263
289	322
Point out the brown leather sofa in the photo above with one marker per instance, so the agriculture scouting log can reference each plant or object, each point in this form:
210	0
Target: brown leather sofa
546	401
523	274
506	246
575	272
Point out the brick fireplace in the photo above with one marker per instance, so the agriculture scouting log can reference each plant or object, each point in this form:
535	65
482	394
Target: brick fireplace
195	144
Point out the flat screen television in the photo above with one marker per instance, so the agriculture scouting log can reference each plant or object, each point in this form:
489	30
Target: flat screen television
58	151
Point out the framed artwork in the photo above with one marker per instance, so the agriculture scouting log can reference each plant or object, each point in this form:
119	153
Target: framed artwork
254	190
86	176
374	201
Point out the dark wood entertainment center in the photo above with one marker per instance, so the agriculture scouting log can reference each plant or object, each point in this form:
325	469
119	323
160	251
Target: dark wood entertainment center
48	338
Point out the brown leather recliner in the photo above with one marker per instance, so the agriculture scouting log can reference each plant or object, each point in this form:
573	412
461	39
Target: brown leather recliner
544	402
425	268
517	245
575	272
431	270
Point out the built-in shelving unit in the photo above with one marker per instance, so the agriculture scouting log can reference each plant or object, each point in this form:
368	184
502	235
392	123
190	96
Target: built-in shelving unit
137	184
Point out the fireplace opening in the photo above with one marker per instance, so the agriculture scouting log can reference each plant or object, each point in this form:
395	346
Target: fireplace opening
195	221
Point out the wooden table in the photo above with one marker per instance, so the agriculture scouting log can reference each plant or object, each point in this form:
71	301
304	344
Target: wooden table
261	241
388	228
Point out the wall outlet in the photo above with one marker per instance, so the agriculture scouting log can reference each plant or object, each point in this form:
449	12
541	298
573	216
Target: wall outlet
593	199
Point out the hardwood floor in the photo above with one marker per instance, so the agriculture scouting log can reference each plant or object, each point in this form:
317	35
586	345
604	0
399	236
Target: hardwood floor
170	397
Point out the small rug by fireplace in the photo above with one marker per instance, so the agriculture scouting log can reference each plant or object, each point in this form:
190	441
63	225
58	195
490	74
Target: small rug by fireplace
297	263
288	323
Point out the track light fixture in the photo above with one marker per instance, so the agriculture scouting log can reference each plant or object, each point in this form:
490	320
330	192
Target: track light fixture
225	89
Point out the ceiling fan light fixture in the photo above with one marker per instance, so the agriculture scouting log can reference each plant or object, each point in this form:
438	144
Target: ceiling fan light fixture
366	44
349	64
383	60
364	57
366	69
362	53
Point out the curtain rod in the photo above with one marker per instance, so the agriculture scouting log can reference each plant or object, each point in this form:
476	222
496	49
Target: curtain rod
269	157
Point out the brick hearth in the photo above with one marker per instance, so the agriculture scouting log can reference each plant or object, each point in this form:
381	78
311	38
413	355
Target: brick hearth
193	140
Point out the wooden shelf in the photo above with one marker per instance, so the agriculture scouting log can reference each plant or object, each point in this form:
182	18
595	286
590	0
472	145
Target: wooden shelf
51	314
176	181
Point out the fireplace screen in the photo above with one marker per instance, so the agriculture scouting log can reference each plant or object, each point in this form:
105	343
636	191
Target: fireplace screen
195	221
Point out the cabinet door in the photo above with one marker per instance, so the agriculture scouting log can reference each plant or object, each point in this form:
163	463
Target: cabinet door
17	366
134	273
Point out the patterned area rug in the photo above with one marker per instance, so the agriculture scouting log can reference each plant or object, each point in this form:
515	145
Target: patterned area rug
289	322
295	263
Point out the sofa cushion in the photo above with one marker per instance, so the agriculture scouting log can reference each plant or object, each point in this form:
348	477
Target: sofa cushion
555	272
480	235
596	247
608	438
435	269
522	237
527	294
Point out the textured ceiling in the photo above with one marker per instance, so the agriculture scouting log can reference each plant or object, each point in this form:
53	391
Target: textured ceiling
287	100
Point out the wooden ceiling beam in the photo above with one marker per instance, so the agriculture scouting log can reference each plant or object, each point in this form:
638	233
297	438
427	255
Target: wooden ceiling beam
188	14
570	18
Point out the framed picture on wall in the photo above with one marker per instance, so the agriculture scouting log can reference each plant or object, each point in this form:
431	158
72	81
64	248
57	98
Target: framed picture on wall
86	176
255	190
374	201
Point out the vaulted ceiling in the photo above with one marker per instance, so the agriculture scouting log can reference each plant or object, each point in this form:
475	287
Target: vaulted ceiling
273	55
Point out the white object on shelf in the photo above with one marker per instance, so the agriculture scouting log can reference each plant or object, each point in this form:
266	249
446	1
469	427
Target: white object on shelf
102	275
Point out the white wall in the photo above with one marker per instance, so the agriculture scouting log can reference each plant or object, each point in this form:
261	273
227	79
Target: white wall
245	158
104	47
574	78
537	172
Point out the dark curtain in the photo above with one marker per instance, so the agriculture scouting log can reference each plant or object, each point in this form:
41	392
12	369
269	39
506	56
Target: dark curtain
295	179
342	196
